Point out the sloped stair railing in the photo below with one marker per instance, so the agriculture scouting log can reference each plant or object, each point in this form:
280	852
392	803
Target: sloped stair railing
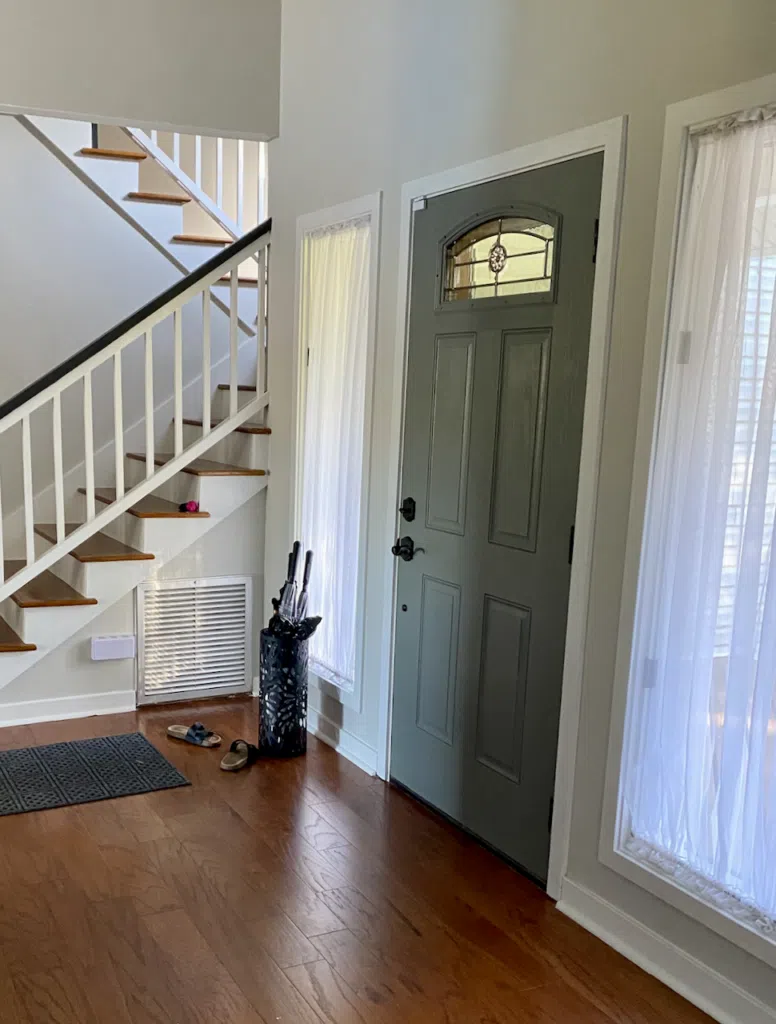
211	195
77	372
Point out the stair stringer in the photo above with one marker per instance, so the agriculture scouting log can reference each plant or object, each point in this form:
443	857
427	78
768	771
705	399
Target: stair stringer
108	582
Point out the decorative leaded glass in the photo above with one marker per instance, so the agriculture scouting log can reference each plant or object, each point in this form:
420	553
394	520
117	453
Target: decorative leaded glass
500	257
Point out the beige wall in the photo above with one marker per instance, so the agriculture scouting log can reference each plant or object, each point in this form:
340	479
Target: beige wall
374	95
192	64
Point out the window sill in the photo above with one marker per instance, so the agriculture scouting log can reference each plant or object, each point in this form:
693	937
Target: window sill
648	876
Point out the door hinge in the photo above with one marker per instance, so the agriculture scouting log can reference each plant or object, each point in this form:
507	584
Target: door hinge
571	543
595	240
549	816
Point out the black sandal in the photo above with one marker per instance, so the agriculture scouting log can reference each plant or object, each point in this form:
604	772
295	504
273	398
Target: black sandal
241	754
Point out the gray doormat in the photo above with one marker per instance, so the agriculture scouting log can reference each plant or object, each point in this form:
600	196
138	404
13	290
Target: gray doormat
79	772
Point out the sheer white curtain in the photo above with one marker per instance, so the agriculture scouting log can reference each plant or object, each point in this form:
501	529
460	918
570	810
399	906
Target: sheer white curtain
700	756
335	325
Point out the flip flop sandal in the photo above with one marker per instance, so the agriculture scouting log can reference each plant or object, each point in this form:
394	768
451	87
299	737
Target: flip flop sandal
196	734
240	755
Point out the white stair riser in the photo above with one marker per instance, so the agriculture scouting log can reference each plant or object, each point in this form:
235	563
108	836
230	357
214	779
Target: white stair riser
161	220
179	488
217	495
40	626
220	494
154	535
154	178
96	579
220	402
117	177
12	614
249	450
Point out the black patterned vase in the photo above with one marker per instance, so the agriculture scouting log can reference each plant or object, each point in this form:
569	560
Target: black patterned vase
282	696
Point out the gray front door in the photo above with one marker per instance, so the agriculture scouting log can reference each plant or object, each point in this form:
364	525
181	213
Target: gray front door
501	295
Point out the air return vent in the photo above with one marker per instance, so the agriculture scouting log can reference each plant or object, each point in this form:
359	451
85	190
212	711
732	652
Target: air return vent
194	638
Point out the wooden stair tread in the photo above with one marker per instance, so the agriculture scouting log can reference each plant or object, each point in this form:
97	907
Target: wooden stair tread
201	467
45	591
10	642
149	507
111	154
201	240
244	428
98	548
242	282
240	387
158	197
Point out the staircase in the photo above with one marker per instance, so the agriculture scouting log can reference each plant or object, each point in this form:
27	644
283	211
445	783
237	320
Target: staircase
192	363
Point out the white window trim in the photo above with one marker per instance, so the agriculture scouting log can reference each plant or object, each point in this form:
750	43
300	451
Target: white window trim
369	205
680	119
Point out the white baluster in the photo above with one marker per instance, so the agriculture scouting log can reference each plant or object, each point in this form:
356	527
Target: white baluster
176	148
267	271
233	337
206	415
198	160
59	483
240	183
220	173
178	380
149	402
89	448
29	518
155	136
260	365
118	425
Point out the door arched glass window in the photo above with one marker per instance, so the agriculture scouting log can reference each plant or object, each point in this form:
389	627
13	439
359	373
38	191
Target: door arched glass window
500	257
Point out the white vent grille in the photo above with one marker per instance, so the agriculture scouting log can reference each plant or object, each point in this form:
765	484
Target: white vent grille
194	638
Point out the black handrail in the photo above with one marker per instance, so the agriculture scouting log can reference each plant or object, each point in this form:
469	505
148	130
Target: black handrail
133	319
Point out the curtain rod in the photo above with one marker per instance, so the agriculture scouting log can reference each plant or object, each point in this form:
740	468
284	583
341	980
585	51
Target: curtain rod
740	119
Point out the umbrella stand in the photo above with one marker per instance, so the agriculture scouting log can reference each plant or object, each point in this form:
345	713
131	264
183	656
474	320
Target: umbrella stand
283	672
282	696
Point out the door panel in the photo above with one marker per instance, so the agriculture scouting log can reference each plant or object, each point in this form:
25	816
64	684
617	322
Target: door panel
492	436
506	635
450	421
522	404
438	664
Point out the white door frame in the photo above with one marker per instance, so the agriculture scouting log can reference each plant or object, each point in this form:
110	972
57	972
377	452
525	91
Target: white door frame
607	137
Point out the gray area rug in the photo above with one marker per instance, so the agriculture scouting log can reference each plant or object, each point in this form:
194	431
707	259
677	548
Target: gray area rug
82	771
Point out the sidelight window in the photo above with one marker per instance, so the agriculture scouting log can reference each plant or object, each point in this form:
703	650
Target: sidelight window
336	322
699	768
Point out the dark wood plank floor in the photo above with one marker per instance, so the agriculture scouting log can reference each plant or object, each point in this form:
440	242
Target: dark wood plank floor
299	891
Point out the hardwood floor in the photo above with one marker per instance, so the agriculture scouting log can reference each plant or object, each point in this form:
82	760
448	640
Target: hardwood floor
297	891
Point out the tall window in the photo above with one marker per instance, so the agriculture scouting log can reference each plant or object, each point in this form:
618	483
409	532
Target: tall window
700	754
335	334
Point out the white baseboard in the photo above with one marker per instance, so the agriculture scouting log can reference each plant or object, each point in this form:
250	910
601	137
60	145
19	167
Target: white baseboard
354	749
28	712
698	983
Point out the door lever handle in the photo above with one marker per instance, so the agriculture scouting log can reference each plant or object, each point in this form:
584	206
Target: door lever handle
405	549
